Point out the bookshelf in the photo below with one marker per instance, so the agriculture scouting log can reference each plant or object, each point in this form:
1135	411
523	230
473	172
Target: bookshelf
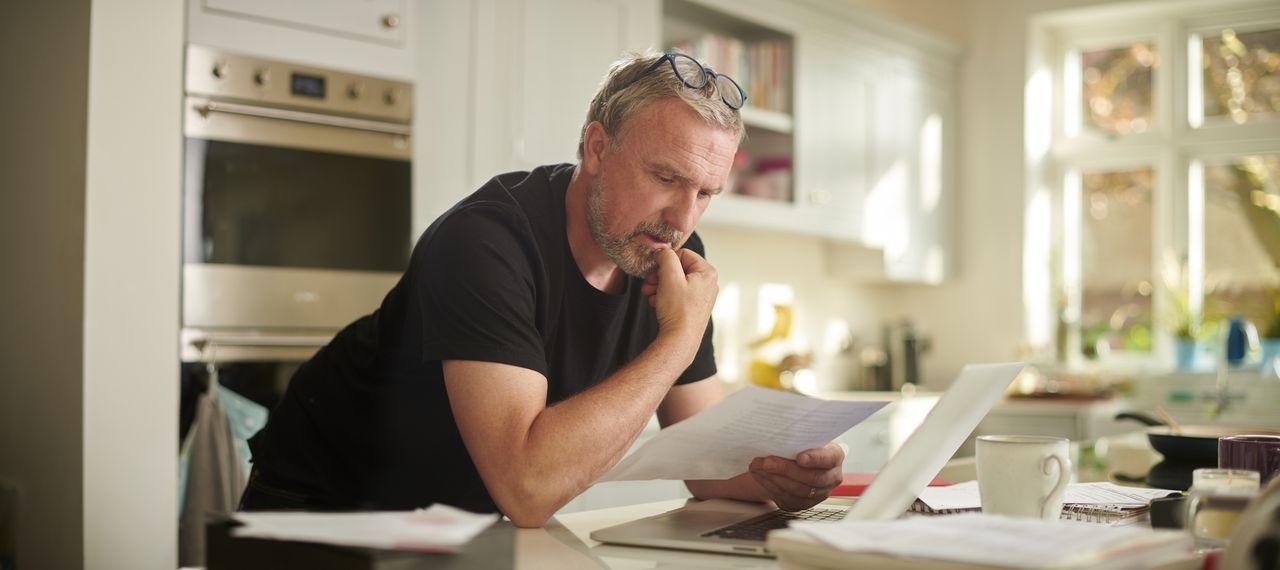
761	60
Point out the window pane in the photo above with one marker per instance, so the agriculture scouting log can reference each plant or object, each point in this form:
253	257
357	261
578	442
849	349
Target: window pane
1116	254
1116	90
1242	75
1242	239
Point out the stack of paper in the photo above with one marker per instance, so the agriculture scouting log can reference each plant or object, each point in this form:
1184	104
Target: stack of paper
437	529
982	541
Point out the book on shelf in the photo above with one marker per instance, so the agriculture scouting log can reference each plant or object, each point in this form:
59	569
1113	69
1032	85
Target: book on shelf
761	68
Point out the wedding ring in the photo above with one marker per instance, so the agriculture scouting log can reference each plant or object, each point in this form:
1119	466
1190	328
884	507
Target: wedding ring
812	491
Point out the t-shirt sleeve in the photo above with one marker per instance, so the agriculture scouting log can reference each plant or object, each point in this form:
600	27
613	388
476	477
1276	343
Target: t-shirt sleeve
476	286
704	362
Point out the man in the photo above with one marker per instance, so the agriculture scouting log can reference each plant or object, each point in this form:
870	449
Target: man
541	322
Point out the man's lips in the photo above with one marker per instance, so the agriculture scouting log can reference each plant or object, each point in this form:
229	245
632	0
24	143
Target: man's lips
653	241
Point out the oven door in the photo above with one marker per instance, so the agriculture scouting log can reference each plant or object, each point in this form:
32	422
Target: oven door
295	223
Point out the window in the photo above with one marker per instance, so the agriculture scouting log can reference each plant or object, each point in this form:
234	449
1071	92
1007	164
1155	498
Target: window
1153	133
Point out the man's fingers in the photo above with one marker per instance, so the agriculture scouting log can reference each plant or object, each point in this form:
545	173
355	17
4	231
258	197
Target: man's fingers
688	259
669	267
825	457
808	477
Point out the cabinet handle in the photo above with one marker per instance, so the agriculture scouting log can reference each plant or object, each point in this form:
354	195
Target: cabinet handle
819	197
391	21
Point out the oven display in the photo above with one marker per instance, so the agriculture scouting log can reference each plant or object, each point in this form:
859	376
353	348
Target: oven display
308	85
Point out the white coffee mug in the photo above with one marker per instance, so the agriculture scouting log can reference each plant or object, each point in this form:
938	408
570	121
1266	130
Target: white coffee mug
1023	476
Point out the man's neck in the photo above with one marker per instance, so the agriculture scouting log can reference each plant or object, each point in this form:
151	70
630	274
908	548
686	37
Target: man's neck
596	267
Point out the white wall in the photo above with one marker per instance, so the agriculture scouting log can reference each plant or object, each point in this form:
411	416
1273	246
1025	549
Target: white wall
89	166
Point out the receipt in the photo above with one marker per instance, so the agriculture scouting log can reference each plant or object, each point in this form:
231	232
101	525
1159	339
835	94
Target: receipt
720	442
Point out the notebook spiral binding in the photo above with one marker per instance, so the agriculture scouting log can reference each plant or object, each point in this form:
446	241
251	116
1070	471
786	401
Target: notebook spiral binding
1101	514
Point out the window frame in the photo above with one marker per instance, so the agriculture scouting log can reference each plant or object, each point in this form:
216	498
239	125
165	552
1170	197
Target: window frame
1172	148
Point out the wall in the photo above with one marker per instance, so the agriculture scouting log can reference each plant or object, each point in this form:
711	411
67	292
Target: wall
42	174
89	166
824	307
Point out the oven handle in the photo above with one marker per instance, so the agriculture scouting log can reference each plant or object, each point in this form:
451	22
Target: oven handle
301	117
261	341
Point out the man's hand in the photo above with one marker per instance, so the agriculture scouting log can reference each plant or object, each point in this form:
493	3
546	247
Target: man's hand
802	483
682	290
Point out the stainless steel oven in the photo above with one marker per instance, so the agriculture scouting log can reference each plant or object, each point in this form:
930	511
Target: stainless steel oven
296	209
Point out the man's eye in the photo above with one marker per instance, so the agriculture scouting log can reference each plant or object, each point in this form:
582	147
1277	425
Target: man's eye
666	179
704	195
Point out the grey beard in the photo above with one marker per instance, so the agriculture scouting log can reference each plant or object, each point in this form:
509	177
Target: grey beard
631	258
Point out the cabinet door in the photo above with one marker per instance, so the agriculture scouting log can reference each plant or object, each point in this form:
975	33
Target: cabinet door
378	20
907	209
832	137
563	51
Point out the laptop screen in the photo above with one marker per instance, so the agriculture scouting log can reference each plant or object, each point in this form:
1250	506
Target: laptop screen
932	444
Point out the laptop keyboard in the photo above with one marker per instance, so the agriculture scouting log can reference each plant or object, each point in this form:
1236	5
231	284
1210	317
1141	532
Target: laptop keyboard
757	527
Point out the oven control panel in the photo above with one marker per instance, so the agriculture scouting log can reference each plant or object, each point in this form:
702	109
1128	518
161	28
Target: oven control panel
228	76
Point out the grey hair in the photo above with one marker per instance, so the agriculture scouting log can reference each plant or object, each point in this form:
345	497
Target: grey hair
621	94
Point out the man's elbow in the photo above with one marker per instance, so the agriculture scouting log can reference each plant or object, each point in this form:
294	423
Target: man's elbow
528	519
527	505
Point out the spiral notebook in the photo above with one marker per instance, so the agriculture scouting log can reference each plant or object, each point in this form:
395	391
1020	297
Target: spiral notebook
1103	503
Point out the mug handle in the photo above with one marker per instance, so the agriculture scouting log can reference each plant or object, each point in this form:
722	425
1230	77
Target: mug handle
1063	478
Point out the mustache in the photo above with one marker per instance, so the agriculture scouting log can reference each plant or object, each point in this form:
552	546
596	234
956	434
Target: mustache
659	230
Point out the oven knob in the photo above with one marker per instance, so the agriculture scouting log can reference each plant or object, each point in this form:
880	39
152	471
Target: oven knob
354	91
220	69
261	76
391	96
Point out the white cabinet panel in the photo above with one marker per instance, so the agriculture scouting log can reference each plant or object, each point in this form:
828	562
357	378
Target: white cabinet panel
563	51
377	20
833	142
371	37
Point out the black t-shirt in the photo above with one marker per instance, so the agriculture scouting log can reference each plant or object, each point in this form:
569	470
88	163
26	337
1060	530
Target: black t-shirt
366	423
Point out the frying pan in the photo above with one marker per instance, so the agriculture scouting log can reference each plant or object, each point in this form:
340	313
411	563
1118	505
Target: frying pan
1191	444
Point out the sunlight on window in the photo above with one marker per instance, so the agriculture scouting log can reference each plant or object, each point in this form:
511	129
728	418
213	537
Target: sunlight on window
1117	89
1035	279
1039	114
1116	256
1242	241
1240	74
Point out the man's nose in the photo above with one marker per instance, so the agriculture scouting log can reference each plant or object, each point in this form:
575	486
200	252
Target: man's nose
682	214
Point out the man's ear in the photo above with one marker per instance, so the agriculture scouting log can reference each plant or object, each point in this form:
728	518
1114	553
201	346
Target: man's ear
595	142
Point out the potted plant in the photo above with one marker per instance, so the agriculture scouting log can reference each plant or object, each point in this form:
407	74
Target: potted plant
1182	321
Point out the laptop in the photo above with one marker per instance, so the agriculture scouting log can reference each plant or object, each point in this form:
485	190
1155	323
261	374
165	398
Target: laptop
738	527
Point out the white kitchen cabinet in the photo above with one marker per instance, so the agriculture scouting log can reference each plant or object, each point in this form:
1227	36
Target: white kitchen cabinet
560	53
371	20
907	210
373	37
833	144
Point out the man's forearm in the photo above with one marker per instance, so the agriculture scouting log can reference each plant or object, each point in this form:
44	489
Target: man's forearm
571	444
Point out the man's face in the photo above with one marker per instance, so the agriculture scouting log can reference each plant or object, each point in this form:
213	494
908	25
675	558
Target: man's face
654	186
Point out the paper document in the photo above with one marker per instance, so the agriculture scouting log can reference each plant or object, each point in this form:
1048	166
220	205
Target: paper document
965	495
1003	541
437	529
720	442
